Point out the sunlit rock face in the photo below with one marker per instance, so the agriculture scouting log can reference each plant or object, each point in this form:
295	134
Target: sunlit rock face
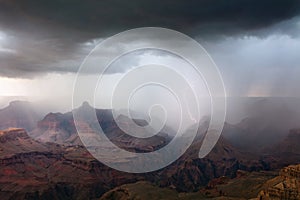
284	186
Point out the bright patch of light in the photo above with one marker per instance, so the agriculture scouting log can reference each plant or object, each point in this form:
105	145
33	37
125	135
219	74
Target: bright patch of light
2	36
93	42
14	87
3	44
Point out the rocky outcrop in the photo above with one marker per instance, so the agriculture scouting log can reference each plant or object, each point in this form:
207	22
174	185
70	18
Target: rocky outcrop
55	127
60	128
284	186
12	134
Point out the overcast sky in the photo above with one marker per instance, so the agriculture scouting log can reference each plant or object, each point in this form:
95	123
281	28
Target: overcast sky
255	43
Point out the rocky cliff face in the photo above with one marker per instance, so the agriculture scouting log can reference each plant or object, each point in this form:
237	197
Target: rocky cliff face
60	128
16	140
55	127
12	134
30	169
284	186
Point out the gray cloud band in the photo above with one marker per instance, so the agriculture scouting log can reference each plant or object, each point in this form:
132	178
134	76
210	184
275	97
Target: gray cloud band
177	43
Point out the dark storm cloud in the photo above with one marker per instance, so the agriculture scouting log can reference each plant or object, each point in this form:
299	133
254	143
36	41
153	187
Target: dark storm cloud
54	36
25	55
116	15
